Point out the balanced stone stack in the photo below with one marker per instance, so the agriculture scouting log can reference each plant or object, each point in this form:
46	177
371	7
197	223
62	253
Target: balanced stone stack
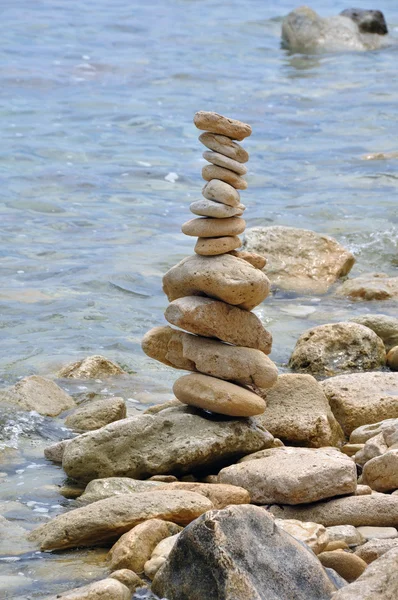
212	292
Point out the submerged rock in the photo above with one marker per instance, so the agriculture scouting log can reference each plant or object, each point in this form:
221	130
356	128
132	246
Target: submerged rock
299	259
92	367
240	553
39	394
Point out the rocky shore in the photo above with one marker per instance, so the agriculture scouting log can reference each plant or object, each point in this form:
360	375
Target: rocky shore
250	483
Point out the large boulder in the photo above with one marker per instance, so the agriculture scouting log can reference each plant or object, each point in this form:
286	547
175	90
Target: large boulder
303	30
239	553
224	277
362	398
372	286
333	348
174	441
38	394
299	259
106	520
91	367
298	412
96	414
384	326
375	509
293	475
378	582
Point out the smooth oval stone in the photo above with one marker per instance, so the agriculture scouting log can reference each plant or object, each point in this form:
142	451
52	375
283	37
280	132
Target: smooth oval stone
215	123
224	277
223	161
208	208
217	396
208	227
217	245
256	260
215	319
210	172
224	145
222	192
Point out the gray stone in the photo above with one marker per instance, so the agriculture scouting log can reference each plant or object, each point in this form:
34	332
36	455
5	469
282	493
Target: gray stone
345	533
96	414
363	433
375	548
55	451
384	326
239	553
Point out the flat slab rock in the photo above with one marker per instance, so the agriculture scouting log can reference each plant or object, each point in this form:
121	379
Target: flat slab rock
290	475
362	398
299	259
239	553
333	348
174	441
106	520
38	394
298	412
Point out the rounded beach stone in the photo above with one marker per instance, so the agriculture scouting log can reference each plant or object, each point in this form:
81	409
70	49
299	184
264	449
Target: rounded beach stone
392	359
224	145
215	123
224	277
346	564
381	473
217	245
208	208
222	192
223	161
217	396
212	318
210	172
208	228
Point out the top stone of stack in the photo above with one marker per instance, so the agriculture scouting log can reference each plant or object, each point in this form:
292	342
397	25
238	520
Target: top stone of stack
214	123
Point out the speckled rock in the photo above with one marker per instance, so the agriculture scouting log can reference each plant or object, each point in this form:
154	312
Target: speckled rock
337	347
38	394
96	414
384	326
372	286
220	191
224	145
215	123
216	245
99	489
375	548
256	260
92	367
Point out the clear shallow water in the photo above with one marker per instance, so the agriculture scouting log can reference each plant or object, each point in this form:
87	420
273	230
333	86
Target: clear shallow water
96	107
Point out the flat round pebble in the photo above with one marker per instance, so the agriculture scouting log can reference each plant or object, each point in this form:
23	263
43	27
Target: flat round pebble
223	161
210	172
215	123
222	192
208	227
217	245
208	208
224	145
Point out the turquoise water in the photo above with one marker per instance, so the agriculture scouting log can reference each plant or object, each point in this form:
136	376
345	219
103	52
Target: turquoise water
99	161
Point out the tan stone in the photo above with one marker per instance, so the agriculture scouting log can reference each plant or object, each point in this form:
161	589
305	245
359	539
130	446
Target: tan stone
55	451
106	589
365	432
211	318
128	578
38	394
363	490
208	228
347	565
382	533
375	548
372	286
209	208
335	347
217	396
160	555
224	145
220	191
164	478
224	277
381	473
392	359
106	520
217	245
299	259
351	449
362	398
375	509
378	582
291	475
99	489
224	161
135	547
376	446
336	545
92	367
210	172
312	534
298	412
221	495
96	414
256	260
345	533
215	123
157	408
384	326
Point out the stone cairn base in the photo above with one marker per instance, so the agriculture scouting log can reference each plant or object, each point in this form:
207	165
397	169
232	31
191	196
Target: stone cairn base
212	292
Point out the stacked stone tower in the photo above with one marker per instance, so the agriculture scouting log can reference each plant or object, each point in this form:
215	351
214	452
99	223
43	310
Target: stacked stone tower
212	292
